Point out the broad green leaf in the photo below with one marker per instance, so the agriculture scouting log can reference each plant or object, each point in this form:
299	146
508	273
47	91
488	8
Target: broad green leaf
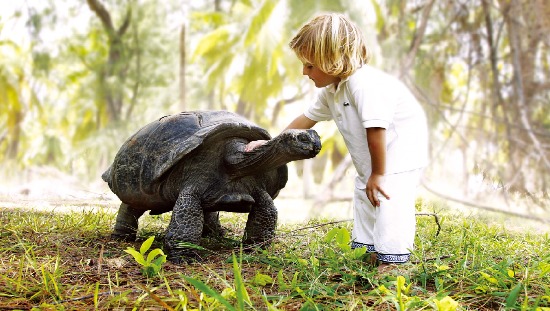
281	280
208	18
152	254
481	289
146	245
294	282
357	253
190	245
262	279
247	2
137	256
150	271
400	284
383	290
217	72
407	289
544	268
446	304
513	296
211	42
270	307
210	292
343	237
228	293
330	235
314	261
259	21
340	236
159	261
489	278
380	18
240	289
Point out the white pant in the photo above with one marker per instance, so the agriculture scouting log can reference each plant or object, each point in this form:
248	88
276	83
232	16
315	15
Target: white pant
389	229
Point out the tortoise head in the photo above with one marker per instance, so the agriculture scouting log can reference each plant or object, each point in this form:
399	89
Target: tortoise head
295	144
290	145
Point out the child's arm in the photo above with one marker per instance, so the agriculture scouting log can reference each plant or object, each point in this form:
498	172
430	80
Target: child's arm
301	123
376	138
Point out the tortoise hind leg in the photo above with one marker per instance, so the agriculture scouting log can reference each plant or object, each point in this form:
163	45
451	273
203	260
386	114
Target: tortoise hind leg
126	223
212	226
262	221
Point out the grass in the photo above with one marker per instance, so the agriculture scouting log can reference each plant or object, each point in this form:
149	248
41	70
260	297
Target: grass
66	261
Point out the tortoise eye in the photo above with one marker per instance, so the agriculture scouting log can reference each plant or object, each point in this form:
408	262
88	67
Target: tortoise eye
303	138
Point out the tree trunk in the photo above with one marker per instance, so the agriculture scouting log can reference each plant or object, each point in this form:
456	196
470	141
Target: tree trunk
183	105
14	135
112	75
521	79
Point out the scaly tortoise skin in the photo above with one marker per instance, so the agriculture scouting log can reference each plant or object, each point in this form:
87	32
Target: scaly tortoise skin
194	165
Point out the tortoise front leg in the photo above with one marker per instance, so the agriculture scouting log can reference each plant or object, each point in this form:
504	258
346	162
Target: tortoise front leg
185	226
126	223
262	221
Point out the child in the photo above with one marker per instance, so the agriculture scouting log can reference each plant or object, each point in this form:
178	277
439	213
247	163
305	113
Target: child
383	126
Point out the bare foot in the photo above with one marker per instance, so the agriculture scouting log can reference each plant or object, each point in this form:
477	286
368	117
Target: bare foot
372	259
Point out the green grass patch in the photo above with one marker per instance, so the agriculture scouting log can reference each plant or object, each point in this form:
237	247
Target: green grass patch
51	261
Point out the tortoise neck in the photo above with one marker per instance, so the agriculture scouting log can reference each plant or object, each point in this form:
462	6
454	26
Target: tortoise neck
267	157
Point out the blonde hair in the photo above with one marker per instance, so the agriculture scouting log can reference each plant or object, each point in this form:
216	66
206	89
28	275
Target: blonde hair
332	43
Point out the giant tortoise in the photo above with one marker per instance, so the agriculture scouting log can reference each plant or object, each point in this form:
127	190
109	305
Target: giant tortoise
194	165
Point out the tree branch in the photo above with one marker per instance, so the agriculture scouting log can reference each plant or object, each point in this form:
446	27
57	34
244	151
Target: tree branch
279	105
182	87
103	15
127	19
484	207
137	84
417	40
518	82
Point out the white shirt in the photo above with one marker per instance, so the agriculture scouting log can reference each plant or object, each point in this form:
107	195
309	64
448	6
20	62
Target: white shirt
372	98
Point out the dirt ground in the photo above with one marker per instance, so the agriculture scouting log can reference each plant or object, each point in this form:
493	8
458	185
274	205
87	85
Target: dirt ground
52	191
47	189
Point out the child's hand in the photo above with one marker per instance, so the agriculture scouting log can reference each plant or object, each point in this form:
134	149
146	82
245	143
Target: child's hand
374	187
253	145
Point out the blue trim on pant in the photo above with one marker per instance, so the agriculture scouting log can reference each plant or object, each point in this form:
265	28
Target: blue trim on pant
387	258
393	258
370	247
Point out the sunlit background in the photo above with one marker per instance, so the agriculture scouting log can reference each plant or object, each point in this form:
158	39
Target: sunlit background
77	78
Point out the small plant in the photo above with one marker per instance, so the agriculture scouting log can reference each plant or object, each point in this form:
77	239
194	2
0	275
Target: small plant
239	291
470	266
341	237
400	296
446	304
154	260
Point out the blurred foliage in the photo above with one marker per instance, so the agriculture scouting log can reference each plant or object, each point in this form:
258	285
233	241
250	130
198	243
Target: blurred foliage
255	66
77	78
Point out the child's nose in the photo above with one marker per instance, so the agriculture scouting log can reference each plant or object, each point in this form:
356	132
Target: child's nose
305	70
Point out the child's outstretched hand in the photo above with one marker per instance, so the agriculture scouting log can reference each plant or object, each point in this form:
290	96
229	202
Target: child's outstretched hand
253	145
374	187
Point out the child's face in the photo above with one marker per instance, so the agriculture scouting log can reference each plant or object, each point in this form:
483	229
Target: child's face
320	78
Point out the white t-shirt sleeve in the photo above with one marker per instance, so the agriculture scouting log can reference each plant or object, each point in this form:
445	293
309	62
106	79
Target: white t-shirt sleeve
374	106
319	110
